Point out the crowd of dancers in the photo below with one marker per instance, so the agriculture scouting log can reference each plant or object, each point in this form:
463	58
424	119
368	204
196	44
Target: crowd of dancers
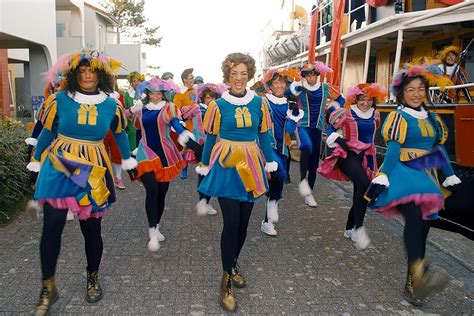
237	140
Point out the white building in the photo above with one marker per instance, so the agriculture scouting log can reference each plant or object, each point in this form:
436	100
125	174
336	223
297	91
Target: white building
36	33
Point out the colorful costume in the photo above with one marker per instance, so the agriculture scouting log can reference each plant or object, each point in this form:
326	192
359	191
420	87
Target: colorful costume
236	164
133	125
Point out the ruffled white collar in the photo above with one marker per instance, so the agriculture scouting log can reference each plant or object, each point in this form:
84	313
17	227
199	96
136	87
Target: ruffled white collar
249	95
276	100
421	115
184	89
203	105
115	95
88	99
363	115
131	92
154	107
311	88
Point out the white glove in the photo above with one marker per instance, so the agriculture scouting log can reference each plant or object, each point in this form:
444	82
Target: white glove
34	166
134	152
451	180
137	106
202	170
331	140
381	179
271	166
184	137
31	141
129	164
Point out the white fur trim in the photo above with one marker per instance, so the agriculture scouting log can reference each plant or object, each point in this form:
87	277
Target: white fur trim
202	170
331	140
381	179
131	92
201	207
34	166
271	166
183	90
184	137
249	95
306	85
276	100
296	119
363	115
134	152
31	141
293	86
451	180
334	105
88	99
155	107
115	95
272	211
203	105
304	188
137	106
129	164
421	115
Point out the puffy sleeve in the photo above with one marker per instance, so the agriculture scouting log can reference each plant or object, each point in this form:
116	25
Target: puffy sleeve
377	119
49	113
171	112
119	123
394	128
212	119
266	120
441	128
337	118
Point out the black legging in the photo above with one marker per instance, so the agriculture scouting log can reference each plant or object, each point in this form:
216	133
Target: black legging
309	160
155	198
236	216
352	168
415	232
202	196
50	244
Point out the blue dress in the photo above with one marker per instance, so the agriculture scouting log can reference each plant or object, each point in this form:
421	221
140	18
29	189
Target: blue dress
414	151
233	127
76	171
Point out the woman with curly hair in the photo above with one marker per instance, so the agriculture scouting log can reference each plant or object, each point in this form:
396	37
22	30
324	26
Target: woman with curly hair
415	140
351	135
237	155
76	172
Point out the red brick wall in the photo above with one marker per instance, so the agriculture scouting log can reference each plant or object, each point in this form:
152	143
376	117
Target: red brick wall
4	103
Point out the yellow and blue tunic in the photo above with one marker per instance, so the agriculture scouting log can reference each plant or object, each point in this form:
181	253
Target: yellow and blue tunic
76	172
414	151
235	129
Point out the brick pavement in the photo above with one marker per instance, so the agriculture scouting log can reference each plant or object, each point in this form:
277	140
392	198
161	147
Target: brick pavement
308	269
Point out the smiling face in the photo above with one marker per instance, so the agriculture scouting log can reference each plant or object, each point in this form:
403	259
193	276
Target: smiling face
189	81
135	82
364	103
450	58
414	93
155	97
278	87
238	79
87	78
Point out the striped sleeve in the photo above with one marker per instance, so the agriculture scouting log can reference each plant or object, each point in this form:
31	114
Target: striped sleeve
442	129
394	128
212	119
170	112
377	119
49	113
266	121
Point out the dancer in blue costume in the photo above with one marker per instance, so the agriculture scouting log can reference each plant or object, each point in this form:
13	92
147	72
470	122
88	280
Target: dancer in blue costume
75	172
284	121
351	134
237	155
312	97
415	150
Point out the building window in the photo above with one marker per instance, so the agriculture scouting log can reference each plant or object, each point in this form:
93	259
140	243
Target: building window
60	29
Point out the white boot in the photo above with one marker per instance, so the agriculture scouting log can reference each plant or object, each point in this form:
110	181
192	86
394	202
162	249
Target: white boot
272	211
201	207
160	235
348	233
69	216
153	244
304	188
360	238
268	228
310	201
210	209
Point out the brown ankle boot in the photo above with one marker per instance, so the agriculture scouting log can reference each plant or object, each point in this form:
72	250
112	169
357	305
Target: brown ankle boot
228	301
94	291
422	282
49	295
238	280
